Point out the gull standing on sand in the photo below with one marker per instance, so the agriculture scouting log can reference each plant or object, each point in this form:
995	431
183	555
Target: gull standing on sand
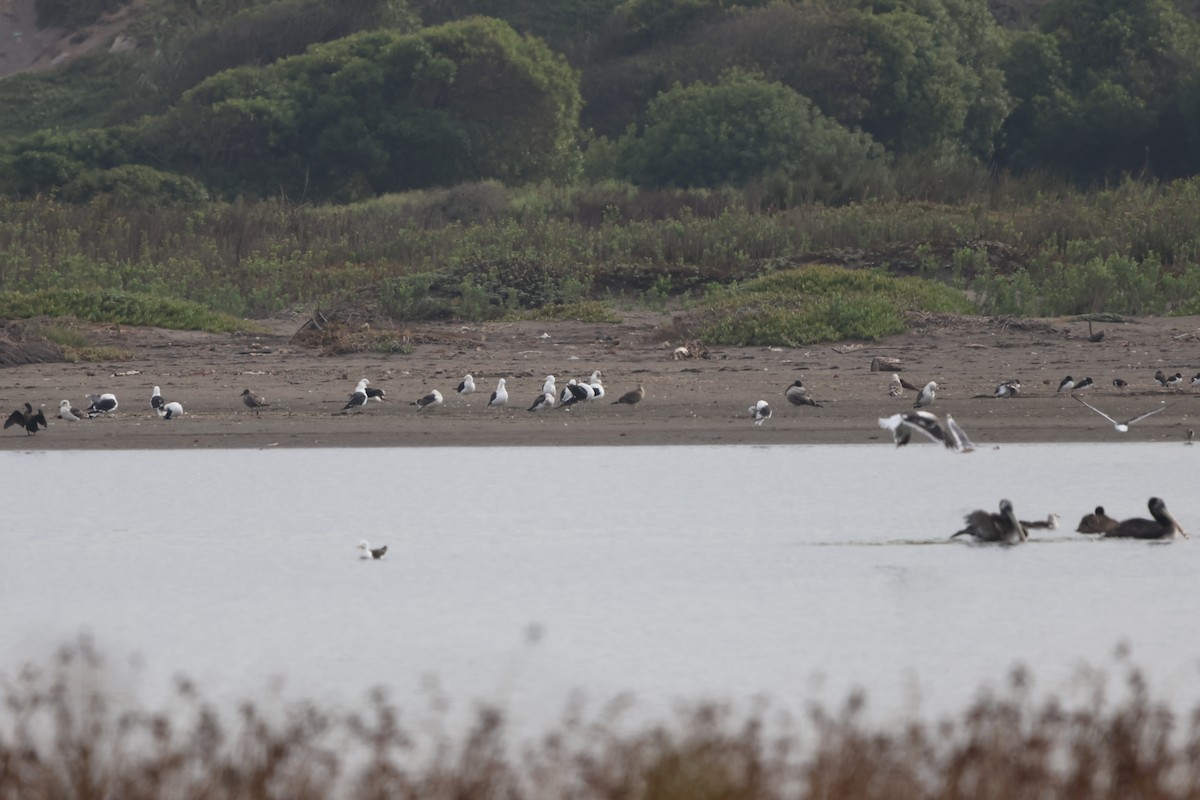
430	401
1118	383
895	386
467	386
761	412
156	399
1003	528
170	410
548	387
797	395
594	385
101	403
926	395
1175	381
65	411
573	393
359	398
378	395
632	397
499	397
372	553
543	402
1121	427
254	401
1163	526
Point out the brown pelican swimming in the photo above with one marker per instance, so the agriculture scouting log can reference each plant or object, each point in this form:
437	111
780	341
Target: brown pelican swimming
761	412
1003	527
797	395
1097	522
27	419
430	401
1163	526
369	552
632	397
1121	427
254	401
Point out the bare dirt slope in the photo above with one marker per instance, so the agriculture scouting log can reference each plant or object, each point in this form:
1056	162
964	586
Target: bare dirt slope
691	401
23	46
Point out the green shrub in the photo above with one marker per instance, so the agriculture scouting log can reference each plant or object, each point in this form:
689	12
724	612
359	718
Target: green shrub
115	307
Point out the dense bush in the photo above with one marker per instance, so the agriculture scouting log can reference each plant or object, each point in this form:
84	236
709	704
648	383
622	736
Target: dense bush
73	14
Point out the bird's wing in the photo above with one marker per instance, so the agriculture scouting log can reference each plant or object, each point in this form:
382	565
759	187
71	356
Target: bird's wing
958	439
909	386
1148	414
15	418
1098	411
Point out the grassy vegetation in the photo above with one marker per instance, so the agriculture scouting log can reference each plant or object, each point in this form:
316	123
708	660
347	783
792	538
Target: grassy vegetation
818	304
115	307
65	735
483	251
76	346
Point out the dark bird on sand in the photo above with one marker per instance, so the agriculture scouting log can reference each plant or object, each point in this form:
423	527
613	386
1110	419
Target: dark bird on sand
254	401
27	419
1163	526
797	395
1004	527
632	397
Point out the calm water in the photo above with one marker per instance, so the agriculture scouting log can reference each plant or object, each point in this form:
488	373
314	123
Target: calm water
670	573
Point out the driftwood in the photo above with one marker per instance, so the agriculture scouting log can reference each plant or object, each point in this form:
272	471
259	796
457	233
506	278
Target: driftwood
886	364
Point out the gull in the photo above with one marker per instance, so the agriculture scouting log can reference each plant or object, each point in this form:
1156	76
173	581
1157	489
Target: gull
1003	527
761	412
1163	526
1196	381
101	403
543	402
797	395
1008	389
1084	385
1121	427
1066	384
65	411
903	425
1049	523
926	395
499	397
27	419
431	401
378	395
632	397
573	393
895	386
170	410
359	398
548	387
254	401
156	400
467	386
1175	381
373	553
1161	378
595	387
1097	522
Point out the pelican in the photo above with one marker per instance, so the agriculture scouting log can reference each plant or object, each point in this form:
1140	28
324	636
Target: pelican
1003	527
467	386
170	410
1121	427
156	400
369	552
359	398
430	401
632	397
254	401
1163	526
1097	522
27	419
797	395
499	397
761	412
1066	384
926	395
65	411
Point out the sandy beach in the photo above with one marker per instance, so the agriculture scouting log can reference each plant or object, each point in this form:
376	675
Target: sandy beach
688	401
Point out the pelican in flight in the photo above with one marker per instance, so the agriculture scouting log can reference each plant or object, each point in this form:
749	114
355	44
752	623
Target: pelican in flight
1097	522
1003	527
1163	526
1121	427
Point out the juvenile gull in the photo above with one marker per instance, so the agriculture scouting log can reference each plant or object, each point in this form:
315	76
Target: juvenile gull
430	401
632	397
28	419
761	412
373	553
1161	378
1121	427
1003	528
1163	526
797	395
499	397
254	401
65	411
895	386
1097	522
467	386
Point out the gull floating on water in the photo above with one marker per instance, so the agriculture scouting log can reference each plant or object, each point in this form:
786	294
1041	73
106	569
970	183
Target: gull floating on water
1003	528
1163	526
1121	427
1097	522
373	553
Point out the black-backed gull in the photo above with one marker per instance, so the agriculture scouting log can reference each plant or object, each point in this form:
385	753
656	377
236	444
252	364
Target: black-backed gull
761	412
430	401
499	397
927	395
1121	427
372	553
170	410
359	398
101	403
466	386
156	399
543	402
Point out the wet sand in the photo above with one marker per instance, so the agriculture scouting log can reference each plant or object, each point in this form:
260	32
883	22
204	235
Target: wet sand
688	401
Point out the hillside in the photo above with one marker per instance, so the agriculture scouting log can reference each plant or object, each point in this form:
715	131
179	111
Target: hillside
23	46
